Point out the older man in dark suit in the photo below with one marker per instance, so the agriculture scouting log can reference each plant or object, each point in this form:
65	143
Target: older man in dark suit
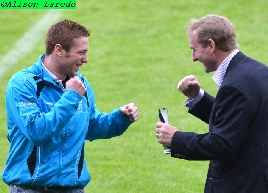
237	141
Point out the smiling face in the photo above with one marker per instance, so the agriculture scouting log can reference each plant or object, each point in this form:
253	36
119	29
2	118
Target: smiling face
203	54
71	61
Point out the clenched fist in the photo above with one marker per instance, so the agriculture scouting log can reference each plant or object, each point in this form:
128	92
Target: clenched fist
131	111
77	85
189	86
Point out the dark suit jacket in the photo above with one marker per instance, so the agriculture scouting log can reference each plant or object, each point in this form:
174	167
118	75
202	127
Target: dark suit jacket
237	141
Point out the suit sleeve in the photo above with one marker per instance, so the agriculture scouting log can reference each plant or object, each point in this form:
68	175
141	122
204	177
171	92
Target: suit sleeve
229	126
203	108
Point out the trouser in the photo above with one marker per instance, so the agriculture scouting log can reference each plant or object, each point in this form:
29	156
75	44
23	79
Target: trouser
26	189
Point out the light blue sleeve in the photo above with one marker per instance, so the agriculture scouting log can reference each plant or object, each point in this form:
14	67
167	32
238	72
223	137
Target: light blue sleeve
104	125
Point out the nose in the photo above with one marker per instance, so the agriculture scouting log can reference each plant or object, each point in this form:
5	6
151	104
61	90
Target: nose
84	59
194	57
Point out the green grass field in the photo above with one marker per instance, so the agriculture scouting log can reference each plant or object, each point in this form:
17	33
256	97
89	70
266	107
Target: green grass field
138	53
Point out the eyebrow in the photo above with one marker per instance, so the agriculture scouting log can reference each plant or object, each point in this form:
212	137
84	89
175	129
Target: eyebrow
85	50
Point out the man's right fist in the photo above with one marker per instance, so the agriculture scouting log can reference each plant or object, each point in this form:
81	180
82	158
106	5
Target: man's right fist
77	85
189	86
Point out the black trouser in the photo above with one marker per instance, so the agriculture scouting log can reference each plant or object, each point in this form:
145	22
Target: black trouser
29	189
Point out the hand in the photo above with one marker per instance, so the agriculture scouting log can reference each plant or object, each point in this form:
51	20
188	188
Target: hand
189	86
164	133
131	111
77	85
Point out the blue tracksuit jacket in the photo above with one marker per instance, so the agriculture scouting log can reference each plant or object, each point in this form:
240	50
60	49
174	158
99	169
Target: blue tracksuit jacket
47	129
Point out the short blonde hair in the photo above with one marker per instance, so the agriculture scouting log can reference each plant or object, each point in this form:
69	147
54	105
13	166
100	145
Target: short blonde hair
217	28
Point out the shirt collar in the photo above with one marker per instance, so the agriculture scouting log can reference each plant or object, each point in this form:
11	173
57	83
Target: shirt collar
220	72
53	76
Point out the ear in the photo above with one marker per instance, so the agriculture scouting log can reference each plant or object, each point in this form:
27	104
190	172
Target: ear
212	45
58	49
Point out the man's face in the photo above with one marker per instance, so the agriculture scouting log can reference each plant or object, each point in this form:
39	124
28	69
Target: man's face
203	55
74	59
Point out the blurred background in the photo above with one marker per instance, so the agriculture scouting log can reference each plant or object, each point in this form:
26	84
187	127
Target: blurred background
139	51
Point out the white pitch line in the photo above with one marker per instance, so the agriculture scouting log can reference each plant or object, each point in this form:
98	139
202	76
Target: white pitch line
27	42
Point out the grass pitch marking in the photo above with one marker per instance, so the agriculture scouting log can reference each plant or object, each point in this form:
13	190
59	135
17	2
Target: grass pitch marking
27	42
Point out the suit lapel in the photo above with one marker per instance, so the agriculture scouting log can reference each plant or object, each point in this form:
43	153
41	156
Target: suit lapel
235	60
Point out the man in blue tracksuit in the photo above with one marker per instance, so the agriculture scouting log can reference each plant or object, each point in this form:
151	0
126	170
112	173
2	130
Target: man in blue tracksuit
51	112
